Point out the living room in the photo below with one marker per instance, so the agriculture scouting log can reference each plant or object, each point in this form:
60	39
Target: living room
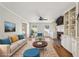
39	29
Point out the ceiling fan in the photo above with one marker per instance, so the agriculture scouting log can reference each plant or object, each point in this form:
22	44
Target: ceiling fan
40	17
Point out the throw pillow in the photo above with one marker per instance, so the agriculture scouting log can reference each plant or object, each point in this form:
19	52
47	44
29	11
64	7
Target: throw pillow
5	41
14	38
21	36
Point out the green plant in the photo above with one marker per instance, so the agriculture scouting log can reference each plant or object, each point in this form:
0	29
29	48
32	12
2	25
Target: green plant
40	39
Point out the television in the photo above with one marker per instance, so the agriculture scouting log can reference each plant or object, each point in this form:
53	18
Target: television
9	26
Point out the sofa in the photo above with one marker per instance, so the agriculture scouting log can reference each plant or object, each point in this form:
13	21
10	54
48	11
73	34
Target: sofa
8	48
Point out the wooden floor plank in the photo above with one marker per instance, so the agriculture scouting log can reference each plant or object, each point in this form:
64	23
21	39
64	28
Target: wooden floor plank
62	52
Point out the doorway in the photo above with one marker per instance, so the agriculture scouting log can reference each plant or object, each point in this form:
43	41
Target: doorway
24	29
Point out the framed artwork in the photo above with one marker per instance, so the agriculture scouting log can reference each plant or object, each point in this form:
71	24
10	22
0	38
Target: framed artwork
9	27
47	26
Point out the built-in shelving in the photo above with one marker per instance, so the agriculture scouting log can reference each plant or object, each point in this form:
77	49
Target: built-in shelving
77	31
69	22
71	30
66	22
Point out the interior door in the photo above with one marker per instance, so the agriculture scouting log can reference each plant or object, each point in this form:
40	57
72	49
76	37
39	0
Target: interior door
24	29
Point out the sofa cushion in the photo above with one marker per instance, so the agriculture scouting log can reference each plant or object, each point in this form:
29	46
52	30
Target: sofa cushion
5	41
14	38
21	36
21	41
16	44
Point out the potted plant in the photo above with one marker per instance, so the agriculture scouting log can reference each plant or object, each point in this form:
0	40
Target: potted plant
40	39
32	32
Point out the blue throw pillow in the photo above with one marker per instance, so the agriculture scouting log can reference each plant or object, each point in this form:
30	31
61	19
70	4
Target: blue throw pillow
21	37
5	41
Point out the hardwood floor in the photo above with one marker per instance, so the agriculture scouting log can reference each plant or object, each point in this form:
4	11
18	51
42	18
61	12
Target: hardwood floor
52	50
61	51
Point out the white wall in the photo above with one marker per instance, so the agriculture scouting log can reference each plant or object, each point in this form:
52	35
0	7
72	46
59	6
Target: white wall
54	30
60	28
6	15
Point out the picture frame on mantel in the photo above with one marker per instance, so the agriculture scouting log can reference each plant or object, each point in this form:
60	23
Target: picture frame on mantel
47	26
9	26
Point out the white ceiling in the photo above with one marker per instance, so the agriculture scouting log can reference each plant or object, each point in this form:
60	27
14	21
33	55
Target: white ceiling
31	10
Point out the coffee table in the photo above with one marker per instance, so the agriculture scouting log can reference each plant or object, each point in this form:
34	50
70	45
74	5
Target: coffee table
40	44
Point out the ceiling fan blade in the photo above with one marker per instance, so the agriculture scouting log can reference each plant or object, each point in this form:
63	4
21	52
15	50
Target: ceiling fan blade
45	19
40	17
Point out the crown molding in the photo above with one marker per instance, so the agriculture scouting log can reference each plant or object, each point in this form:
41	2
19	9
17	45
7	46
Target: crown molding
3	6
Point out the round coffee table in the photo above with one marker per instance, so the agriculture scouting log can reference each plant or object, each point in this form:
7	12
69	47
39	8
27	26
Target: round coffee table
40	44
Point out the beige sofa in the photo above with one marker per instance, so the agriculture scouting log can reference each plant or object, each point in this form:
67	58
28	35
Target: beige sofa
9	50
